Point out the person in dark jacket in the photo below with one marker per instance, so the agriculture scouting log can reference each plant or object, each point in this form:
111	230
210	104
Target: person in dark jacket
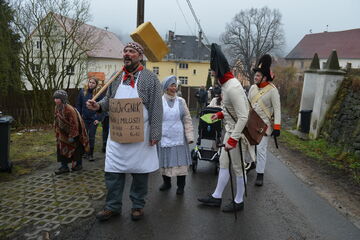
91	118
201	96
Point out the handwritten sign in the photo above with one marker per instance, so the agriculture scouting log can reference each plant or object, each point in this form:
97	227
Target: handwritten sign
126	120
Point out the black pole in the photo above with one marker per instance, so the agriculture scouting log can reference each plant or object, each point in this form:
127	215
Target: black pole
140	12
242	166
231	185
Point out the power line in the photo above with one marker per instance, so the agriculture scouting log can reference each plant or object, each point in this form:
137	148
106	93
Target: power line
198	23
191	31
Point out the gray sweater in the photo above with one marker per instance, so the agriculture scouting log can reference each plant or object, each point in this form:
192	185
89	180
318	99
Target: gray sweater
149	89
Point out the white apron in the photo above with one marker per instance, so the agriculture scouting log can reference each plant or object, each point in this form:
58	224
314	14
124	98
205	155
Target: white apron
172	127
131	157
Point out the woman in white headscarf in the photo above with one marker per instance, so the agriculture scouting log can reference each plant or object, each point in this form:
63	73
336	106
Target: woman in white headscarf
177	134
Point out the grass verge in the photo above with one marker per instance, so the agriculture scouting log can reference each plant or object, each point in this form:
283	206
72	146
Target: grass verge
29	151
34	150
322	151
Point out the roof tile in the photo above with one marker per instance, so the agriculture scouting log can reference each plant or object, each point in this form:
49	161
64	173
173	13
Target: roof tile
346	43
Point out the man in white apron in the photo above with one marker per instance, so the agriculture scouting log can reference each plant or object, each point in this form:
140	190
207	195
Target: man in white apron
138	158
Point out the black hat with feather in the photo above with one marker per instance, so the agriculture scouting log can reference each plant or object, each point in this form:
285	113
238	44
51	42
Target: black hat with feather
218	62
263	66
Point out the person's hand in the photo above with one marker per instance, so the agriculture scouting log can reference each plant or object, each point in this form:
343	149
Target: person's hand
96	122
214	117
228	147
275	133
71	140
153	142
92	105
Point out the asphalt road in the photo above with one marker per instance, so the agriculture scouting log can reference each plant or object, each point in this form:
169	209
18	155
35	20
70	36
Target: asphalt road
284	208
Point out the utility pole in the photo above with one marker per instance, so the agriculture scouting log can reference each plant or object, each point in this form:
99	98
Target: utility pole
140	12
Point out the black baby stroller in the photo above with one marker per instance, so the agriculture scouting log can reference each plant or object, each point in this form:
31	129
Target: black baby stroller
210	131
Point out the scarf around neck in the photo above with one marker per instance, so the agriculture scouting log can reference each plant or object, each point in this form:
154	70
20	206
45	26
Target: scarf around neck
130	75
263	84
227	76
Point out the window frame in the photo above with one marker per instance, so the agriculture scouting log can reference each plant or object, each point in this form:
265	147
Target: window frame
184	80
70	67
156	70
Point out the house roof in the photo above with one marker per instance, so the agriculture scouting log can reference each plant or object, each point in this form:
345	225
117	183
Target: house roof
346	43
108	45
184	47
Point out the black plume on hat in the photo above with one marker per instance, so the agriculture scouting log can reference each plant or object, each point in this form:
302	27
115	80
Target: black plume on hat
218	62
263	66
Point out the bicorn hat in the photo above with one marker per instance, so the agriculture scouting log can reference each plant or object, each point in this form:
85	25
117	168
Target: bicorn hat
218	61
263	66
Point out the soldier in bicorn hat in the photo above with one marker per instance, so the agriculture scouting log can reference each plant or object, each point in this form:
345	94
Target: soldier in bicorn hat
265	100
235	114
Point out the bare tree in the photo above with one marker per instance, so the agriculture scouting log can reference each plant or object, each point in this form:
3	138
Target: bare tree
55	43
251	34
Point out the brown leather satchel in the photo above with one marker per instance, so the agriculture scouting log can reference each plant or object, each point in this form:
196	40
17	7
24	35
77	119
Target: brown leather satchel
255	127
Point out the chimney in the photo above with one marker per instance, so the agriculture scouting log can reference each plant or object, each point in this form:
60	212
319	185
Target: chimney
200	38
171	35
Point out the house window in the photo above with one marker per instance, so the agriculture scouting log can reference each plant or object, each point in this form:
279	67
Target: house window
156	70
302	64
70	70
38	44
184	65
52	70
172	71
183	80
36	68
194	71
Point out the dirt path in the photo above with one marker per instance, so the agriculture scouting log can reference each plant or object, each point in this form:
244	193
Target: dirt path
331	184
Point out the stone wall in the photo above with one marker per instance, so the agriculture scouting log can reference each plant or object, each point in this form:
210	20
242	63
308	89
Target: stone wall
342	123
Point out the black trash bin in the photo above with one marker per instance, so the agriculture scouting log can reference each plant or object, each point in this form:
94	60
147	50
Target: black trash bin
305	121
5	164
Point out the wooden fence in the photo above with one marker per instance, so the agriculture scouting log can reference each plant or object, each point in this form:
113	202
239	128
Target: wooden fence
17	104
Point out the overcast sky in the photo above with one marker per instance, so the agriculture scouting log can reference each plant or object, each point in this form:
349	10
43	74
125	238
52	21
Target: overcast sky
298	16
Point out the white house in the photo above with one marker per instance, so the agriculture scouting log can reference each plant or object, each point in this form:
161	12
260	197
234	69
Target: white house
62	48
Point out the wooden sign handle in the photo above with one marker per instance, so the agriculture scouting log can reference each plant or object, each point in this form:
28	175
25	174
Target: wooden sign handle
104	88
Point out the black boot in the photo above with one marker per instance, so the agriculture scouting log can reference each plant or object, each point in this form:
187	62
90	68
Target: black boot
167	183
180	185
62	170
91	154
210	201
259	179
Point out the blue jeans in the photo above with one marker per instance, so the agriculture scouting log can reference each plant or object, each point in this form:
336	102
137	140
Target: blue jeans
115	183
